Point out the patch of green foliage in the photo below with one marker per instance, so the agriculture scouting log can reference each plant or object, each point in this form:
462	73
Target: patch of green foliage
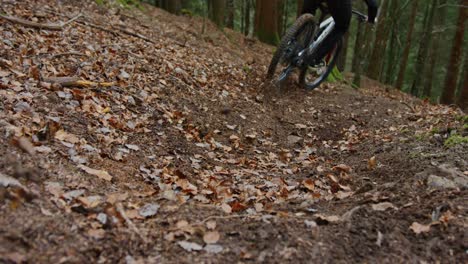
463	118
455	140
335	75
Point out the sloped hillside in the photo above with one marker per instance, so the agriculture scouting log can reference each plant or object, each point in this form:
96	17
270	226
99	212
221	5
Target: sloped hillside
142	137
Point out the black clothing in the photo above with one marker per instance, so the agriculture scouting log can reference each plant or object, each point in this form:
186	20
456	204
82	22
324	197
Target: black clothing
341	11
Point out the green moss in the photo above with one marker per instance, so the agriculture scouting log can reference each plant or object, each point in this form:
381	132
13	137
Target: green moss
465	126
335	75
455	140
463	118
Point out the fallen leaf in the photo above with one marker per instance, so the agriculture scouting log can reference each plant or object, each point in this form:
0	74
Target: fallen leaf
372	163
226	208
309	184
418	228
67	137
211	225
211	237
25	144
327	219
383	206
149	210
99	173
7	181
91	201
213	249
343	167
190	246
96	233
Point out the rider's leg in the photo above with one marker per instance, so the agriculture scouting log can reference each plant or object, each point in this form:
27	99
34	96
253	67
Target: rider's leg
341	12
310	7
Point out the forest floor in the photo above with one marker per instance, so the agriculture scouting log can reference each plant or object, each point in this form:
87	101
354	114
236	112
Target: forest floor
166	148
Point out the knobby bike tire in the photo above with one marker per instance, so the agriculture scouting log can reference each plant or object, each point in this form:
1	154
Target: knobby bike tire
331	65
292	32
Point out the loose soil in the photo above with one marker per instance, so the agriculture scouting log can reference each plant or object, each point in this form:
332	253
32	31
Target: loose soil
190	127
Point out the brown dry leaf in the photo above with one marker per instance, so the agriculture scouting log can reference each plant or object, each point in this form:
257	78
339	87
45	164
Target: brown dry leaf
90	201
343	168
25	144
211	225
226	208
99	173
342	195
372	163
383	206
327	219
62	135
96	233
116	197
211	237
237	207
419	228
309	184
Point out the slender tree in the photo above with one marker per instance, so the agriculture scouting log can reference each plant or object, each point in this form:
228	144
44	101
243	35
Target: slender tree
424	44
409	37
448	94
463	99
434	54
230	10
216	10
248	6
266	21
381	37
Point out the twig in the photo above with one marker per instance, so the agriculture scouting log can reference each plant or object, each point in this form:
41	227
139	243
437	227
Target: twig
129	222
137	35
27	23
75	81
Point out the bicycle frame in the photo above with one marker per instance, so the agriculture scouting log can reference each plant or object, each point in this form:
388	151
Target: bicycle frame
326	27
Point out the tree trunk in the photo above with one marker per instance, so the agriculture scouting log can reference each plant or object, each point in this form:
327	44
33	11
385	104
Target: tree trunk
172	6
230	8
357	62
453	66
425	43
434	55
248	5
341	64
266	21
216	9
380	43
409	36
463	99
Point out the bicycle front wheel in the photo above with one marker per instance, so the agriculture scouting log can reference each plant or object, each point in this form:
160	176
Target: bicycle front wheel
296	39
313	75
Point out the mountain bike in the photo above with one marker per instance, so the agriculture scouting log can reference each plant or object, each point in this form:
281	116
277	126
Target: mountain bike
299	43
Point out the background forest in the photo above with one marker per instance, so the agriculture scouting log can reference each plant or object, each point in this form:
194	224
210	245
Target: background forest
417	46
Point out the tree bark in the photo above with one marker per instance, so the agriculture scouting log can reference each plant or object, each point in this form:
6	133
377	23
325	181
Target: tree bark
248	5
448	94
423	49
434	54
409	36
266	21
216	10
381	38
463	99
230	8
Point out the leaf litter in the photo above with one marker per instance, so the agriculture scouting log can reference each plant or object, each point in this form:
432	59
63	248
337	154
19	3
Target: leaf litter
175	130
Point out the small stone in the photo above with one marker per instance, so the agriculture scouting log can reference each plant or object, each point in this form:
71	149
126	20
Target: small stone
440	183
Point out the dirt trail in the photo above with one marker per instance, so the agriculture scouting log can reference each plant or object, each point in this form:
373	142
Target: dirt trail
183	157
